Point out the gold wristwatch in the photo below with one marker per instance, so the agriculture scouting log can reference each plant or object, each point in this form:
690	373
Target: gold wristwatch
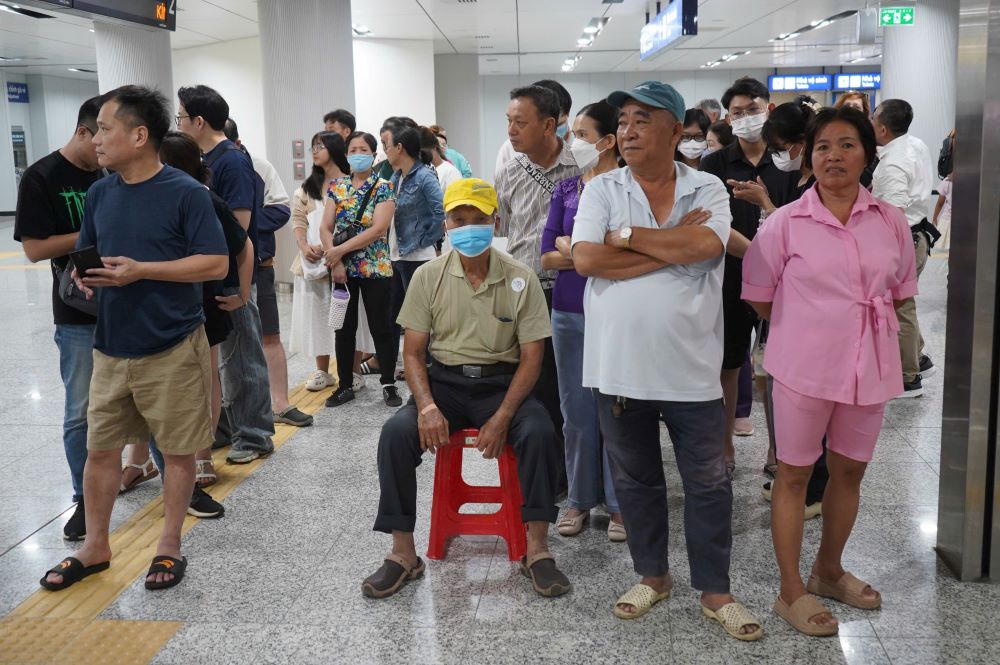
626	234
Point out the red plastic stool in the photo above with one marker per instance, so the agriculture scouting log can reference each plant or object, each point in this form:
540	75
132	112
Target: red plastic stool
451	492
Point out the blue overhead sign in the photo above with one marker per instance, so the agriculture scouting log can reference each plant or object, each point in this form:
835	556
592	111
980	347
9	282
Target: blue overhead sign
865	81
679	19
799	82
17	92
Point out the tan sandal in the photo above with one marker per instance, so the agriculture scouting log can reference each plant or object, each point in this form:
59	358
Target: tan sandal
616	532
571	526
147	470
849	590
642	597
798	614
734	617
203	478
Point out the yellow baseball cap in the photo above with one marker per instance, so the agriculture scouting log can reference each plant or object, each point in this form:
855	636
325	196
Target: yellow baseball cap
471	192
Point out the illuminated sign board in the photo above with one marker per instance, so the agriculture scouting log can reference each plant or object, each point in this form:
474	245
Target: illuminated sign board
864	81
155	13
799	82
17	93
679	19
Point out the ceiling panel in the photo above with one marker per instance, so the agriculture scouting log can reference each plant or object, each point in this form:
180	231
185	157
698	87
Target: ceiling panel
510	36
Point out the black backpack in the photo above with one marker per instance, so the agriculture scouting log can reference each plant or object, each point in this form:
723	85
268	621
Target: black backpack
945	158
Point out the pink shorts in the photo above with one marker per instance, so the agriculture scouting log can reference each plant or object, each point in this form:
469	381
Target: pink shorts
801	421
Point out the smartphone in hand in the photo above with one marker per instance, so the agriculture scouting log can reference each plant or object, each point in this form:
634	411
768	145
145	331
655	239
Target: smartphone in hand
86	259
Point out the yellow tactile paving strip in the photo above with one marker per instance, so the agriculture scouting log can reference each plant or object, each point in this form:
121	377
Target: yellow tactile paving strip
61	627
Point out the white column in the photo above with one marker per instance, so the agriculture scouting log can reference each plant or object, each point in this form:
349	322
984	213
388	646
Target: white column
918	65
8	187
307	69
458	102
133	56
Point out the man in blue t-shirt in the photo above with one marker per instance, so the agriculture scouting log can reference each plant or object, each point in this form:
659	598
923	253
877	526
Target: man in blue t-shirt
246	419
156	231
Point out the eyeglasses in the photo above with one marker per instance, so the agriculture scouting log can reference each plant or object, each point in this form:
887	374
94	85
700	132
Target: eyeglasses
696	137
318	147
178	118
736	115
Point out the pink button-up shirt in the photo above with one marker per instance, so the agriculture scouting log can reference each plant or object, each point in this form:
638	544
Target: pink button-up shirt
833	327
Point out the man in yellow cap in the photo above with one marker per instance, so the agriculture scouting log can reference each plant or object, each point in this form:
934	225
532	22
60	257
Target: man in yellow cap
482	316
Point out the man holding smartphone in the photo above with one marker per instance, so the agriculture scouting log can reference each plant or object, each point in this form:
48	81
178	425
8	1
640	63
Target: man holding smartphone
50	202
156	231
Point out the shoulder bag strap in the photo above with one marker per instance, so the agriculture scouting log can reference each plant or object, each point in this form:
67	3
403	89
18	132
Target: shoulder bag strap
543	180
364	204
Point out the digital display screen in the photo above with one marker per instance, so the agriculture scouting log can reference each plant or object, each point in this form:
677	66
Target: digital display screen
864	81
799	82
679	19
156	13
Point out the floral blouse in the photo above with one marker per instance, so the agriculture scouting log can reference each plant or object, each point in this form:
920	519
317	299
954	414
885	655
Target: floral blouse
372	261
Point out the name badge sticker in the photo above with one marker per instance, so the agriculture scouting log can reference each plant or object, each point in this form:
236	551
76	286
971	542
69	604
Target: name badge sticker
517	284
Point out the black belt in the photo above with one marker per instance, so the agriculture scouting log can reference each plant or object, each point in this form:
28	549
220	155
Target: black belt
479	371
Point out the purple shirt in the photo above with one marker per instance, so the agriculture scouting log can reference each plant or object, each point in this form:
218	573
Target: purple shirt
567	295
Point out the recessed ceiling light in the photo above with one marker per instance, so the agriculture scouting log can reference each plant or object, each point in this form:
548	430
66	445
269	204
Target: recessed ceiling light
591	30
584	41
361	30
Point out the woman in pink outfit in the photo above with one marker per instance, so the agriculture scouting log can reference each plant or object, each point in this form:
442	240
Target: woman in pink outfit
827	271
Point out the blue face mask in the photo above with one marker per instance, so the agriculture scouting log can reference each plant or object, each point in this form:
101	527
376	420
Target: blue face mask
360	162
471	240
561	130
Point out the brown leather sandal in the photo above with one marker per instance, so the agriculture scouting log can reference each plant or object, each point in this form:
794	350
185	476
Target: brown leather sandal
391	576
546	579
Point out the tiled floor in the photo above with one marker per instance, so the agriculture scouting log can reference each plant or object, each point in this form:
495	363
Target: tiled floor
277	580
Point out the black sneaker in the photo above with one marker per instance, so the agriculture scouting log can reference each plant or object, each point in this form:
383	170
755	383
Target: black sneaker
204	506
342	396
391	396
76	527
927	367
914	388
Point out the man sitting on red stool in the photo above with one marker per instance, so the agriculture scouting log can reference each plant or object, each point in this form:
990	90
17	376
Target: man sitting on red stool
483	317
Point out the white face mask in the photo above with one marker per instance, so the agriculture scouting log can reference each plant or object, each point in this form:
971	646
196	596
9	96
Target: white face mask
784	162
585	154
693	149
749	127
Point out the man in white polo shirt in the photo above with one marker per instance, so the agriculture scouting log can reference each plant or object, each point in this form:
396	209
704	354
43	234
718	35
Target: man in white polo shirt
652	237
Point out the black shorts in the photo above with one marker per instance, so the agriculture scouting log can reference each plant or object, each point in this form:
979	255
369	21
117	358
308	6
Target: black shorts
267	301
739	318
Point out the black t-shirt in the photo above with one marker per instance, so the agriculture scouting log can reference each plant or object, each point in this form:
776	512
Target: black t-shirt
50	203
236	239
235	181
730	163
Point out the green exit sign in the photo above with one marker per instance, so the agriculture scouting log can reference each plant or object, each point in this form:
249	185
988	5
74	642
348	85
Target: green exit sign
895	16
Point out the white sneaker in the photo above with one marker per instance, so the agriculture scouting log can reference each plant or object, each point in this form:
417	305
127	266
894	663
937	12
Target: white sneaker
319	380
358	383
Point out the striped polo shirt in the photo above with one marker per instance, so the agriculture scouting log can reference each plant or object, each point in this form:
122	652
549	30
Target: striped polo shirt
524	207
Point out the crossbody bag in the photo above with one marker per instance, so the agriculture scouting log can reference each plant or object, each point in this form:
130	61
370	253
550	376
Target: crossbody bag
543	180
356	228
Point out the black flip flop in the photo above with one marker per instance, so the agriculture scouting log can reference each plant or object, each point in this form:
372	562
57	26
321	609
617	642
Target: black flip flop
72	571
166	564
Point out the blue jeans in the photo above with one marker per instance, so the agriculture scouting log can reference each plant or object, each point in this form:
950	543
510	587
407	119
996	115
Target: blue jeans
76	364
587	468
246	420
